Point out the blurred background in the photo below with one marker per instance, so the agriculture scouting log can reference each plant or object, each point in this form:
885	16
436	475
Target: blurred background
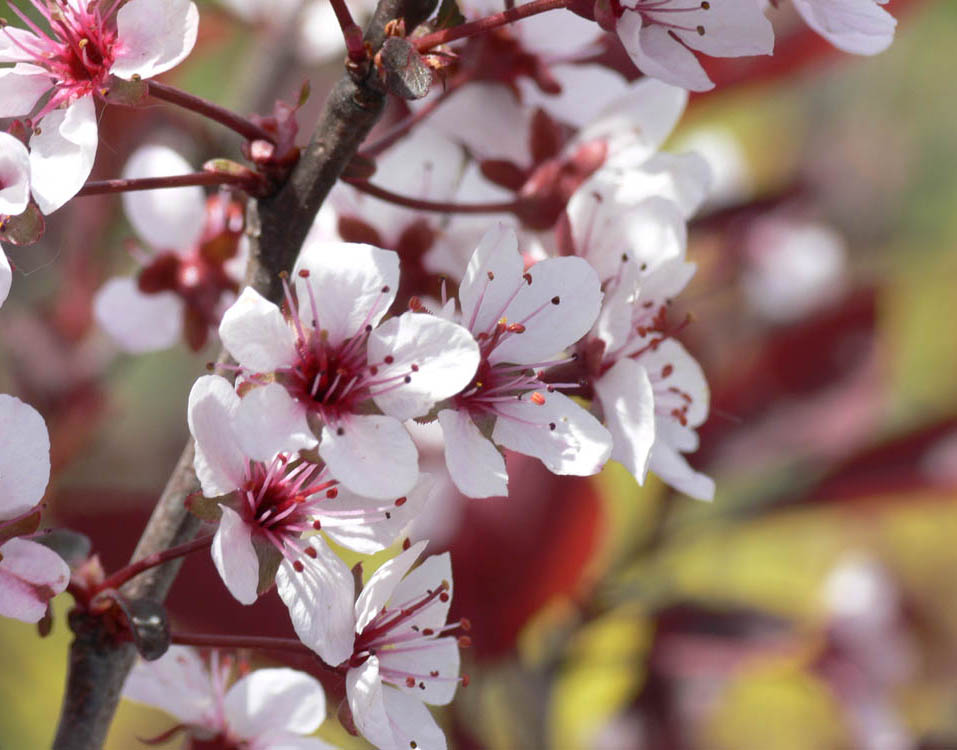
813	605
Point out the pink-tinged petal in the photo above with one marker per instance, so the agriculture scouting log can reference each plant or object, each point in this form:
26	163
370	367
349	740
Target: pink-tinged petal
628	403
861	27
364	693
353	286
220	463
569	106
685	376
14	173
177	683
411	721
11	42
474	463
380	587
138	322
167	219
578	444
640	120
557	308
428	577
254	331
372	455
269	699
153	36
62	155
320	600
24	456
235	557
21	88
437	357
658	55
492	278
438	659
6	277
270	421
30	575
368	526
672	468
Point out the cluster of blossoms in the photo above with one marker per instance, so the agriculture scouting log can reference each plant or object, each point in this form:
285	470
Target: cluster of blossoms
533	314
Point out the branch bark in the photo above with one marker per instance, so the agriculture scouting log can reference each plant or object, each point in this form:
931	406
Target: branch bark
98	663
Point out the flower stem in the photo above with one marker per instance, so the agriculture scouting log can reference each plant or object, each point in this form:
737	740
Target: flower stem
99	187
262	642
419	204
355	47
223	116
472	28
151	561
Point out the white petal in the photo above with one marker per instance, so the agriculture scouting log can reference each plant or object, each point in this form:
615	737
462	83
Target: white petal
275	699
674	470
372	455
657	54
684	179
177	683
14	174
30	575
24	457
439	659
11	42
364	693
270	421
353	286
220	463
411	721
138	322
557	308
577	445
474	463
61	156
445	356
732	28
21	88
434	571
368	526
278	739
860	27
493	276
234	556
614	324
6	277
320	601
379	588
167	219
254	331
602	85
628	403
153	36
686	376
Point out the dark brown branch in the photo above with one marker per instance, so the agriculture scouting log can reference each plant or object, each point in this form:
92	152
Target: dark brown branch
99	663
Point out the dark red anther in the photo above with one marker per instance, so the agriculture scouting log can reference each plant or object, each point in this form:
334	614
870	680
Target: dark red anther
298	566
667	370
464	641
538	398
410	682
465	624
428	631
401	501
311	551
389	359
332	492
304	273
406	543
466	680
444	596
317	524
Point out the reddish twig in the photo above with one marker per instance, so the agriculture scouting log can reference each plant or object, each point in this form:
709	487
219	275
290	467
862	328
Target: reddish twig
99	187
473	28
419	204
249	130
151	561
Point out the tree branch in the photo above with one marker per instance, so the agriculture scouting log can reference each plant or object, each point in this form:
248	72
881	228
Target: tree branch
98	662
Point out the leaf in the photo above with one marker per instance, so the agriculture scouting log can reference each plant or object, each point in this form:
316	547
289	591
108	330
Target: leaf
449	15
148	624
406	74
25	228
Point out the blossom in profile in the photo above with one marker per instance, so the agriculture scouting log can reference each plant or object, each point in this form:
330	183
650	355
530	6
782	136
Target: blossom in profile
340	364
192	260
522	321
403	656
30	573
861	27
265	709
70	62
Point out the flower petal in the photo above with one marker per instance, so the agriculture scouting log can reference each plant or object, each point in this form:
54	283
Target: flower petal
372	455
153	36
220	464
6	277
14	174
352	285
268	699
434	573
177	683
320	600
657	54
270	421
438	357
380	587
254	331
235	557
673	469
439	659
138	322
493	276
411	721
30	575
861	27
21	88
577	444
474	463
61	156
364	693
167	219
24	457
628	403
